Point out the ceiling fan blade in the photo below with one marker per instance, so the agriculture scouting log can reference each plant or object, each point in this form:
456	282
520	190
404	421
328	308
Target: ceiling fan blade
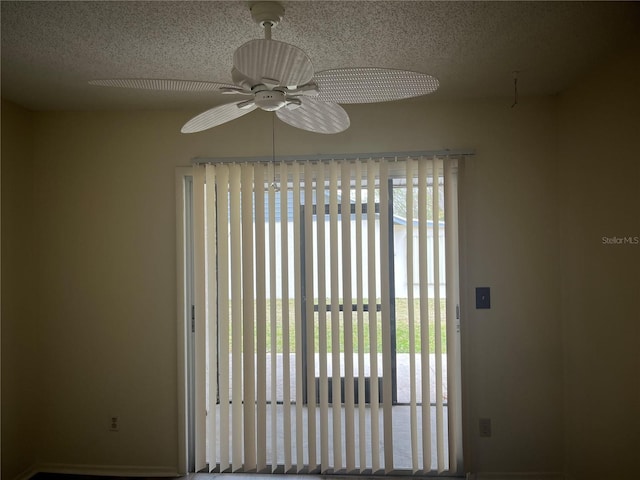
217	116
242	80
162	84
372	85
315	116
273	61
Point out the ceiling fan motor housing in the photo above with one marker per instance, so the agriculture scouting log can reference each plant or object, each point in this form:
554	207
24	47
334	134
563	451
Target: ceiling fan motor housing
270	100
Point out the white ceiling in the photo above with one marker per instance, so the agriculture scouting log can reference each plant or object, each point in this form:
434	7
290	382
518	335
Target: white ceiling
51	49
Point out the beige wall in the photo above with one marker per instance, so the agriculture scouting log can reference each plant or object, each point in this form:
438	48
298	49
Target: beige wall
20	339
599	131
105	204
106	298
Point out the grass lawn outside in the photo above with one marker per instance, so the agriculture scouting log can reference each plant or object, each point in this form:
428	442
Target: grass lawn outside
403	332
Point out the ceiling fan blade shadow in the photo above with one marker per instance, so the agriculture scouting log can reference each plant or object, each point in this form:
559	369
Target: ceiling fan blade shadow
161	84
274	61
316	116
217	116
372	85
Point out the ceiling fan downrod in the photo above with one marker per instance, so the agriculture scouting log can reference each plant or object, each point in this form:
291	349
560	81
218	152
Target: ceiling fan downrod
267	15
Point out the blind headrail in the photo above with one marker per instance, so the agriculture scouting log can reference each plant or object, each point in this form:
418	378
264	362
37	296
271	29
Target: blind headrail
337	156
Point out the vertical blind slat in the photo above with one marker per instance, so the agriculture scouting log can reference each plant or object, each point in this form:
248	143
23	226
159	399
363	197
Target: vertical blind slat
286	367
372	174
411	317
249	200
223	310
273	299
385	279
322	319
212	310
200	325
261	322
347	325
357	251
336	410
298	314
424	312
309	317
236	318
437	316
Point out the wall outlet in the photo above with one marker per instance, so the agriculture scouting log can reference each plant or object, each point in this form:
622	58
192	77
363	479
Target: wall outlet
484	426
114	423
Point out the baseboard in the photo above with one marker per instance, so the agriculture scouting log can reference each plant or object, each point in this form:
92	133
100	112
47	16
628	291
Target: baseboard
27	474
516	476
107	470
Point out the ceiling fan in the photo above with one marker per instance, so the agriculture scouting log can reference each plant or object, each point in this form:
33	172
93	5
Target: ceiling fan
279	77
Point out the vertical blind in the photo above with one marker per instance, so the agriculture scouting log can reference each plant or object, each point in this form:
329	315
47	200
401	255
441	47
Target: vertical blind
332	331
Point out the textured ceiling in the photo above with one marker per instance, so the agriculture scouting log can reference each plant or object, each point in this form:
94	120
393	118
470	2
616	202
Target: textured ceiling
50	50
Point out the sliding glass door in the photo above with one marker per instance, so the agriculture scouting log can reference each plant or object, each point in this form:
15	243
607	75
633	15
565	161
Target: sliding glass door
327	295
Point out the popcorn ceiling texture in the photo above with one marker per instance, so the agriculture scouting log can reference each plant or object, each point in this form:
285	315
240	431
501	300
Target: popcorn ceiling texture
50	50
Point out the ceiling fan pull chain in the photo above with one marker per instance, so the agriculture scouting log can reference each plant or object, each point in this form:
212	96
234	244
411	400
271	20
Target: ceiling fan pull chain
515	88
274	184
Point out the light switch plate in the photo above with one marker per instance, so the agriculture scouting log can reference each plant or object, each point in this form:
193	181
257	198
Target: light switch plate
483	297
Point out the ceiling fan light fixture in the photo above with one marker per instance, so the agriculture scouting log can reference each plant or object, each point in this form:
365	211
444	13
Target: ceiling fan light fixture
270	100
